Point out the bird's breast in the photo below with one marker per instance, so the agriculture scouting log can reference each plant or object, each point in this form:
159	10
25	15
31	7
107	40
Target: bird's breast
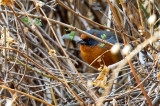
90	53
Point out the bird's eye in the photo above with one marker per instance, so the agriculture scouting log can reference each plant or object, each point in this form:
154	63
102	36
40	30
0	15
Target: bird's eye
88	41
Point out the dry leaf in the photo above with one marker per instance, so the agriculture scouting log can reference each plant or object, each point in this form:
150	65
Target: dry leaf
52	52
102	78
158	76
7	2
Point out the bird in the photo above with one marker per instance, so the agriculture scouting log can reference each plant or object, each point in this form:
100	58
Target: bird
91	49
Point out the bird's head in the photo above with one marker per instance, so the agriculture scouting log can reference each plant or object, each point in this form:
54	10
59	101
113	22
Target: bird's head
85	40
105	35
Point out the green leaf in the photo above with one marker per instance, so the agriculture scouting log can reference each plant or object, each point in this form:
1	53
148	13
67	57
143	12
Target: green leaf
37	22
26	20
144	10
102	45
104	36
69	29
72	35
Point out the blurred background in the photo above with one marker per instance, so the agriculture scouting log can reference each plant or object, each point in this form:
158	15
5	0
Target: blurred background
39	67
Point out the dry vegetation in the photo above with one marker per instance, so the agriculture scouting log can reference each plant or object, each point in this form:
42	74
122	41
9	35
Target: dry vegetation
39	67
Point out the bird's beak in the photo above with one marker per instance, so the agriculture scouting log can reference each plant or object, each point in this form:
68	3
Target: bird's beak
82	42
